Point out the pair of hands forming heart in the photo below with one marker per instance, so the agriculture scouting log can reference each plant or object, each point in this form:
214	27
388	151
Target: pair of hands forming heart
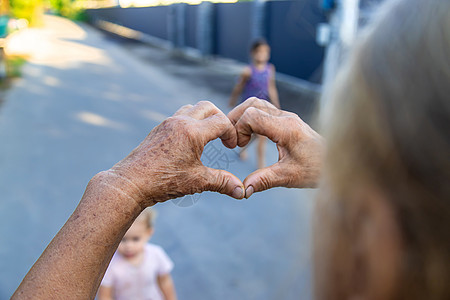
164	166
167	163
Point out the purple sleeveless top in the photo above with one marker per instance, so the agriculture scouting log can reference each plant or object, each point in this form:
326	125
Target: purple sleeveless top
258	84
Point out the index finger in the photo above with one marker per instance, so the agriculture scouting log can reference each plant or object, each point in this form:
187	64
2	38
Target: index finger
257	121
263	105
202	110
218	126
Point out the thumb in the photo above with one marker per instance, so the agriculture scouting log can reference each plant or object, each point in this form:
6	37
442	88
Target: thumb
223	182
264	179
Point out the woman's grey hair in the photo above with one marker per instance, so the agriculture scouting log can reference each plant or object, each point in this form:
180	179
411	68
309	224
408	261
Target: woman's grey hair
389	126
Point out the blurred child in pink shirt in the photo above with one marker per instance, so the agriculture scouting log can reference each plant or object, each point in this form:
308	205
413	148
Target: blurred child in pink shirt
138	269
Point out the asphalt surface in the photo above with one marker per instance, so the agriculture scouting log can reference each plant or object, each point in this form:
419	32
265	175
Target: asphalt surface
85	100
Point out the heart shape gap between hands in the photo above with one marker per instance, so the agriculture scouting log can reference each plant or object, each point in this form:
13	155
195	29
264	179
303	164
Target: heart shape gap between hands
167	163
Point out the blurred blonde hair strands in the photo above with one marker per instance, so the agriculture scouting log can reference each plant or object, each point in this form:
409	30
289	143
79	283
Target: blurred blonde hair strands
389	126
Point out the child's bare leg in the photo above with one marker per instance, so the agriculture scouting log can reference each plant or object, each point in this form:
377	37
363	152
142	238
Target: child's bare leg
243	154
261	151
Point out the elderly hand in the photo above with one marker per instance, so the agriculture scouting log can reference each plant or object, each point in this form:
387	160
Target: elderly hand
299	146
167	163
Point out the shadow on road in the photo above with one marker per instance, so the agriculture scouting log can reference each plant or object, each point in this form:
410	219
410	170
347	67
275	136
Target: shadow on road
79	110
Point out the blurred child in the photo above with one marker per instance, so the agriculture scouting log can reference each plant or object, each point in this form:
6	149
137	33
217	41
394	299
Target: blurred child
257	80
138	269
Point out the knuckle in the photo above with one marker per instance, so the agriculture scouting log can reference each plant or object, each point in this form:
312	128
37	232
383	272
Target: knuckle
222	117
265	182
257	116
222	122
179	124
292	120
221	183
291	115
251	100
243	140
239	125
251	117
295	126
207	105
167	123
251	112
174	120
204	103
185	108
259	102
246	118
213	180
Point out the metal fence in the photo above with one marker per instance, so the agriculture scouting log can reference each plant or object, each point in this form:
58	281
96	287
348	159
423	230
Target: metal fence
228	29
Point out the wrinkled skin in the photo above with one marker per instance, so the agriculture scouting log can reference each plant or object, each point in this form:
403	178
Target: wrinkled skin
164	166
299	146
167	163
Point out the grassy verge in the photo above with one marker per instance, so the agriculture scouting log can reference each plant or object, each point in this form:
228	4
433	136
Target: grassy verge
14	66
13	69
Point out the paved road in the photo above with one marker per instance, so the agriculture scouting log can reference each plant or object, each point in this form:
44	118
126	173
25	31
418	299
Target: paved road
84	102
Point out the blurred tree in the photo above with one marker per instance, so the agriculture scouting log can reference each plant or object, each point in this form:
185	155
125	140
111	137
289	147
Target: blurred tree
71	9
31	10
60	5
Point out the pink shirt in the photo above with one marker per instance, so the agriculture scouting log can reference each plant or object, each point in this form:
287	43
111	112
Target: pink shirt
138	282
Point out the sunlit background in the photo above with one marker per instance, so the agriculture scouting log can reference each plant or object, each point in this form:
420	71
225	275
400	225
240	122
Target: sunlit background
83	82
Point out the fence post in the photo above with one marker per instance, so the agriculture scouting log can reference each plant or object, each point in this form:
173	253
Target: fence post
180	21
205	33
171	25
257	19
176	24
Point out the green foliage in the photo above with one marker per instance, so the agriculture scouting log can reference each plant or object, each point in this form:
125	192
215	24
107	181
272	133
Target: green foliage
31	10
14	66
58	5
68	9
13	69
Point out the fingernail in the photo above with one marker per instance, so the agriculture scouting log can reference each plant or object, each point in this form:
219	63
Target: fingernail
249	191
238	193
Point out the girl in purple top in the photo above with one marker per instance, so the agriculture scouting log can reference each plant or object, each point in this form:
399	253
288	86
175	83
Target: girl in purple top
257	80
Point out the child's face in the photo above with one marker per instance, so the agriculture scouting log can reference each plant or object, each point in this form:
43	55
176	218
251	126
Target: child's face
261	54
133	242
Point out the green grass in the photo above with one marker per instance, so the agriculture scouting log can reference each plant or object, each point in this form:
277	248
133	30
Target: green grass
13	70
14	66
